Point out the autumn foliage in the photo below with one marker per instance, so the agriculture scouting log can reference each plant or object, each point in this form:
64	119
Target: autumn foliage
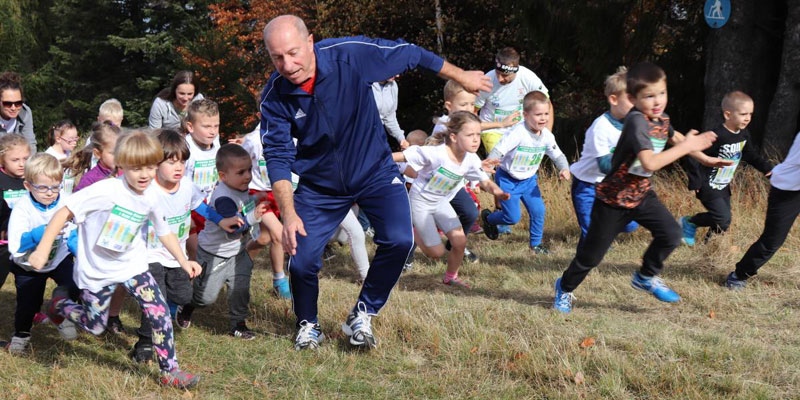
231	61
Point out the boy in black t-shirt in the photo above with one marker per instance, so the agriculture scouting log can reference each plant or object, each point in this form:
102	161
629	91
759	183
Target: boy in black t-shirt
712	184
625	194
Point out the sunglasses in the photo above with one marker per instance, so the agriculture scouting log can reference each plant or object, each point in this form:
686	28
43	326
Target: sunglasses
9	104
45	188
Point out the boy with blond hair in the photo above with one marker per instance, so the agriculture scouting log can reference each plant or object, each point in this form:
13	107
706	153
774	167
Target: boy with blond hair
26	225
111	110
712	184
598	147
520	153
626	195
202	136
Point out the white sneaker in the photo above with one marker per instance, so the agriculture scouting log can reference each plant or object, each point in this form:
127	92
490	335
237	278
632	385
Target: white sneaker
18	345
67	330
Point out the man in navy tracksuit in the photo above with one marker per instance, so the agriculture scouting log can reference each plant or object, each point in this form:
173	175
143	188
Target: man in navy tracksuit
321	95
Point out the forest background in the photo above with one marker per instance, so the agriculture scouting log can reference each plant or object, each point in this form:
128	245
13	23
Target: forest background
74	54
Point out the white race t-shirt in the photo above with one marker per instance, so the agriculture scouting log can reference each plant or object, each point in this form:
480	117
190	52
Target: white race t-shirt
24	217
504	100
111	221
201	166
524	150
601	139
177	209
438	176
252	143
786	175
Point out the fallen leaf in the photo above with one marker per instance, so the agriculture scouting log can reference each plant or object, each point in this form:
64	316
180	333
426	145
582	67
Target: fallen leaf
473	350
519	355
711	314
587	342
187	395
735	249
579	378
567	372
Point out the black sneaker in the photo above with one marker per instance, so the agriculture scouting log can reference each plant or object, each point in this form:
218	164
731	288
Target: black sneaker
328	253
115	326
142	352
241	331
183	318
489	230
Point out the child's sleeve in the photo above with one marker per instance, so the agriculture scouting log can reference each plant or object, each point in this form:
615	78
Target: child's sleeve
508	142
475	173
751	155
199	206
555	153
415	157
21	236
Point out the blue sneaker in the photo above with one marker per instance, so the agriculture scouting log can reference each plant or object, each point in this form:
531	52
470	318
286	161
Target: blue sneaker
309	336
504	229
281	288
358	327
563	300
733	282
656	287
689	231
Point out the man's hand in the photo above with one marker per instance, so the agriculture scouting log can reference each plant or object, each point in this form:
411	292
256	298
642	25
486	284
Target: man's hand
475	81
292	226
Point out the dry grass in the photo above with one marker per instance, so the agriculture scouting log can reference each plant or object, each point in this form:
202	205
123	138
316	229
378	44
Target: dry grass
499	340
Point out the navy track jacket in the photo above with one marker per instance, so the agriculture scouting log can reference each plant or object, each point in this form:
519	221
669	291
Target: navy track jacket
341	143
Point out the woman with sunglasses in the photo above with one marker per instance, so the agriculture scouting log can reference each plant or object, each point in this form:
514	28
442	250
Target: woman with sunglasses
15	115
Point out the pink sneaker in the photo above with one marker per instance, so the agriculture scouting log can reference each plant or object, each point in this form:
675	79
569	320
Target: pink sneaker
457	282
178	379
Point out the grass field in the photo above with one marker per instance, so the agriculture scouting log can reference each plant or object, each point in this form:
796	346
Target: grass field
499	340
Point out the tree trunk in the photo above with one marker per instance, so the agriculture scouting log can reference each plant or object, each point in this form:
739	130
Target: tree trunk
783	112
744	55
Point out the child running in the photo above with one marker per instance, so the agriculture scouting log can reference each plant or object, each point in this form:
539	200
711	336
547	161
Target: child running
598	147
519	153
626	195
441	171
271	227
783	207
712	184
223	254
28	220
110	216
14	152
178	197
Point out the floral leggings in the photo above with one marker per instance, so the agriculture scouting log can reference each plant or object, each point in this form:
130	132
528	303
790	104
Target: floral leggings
92	315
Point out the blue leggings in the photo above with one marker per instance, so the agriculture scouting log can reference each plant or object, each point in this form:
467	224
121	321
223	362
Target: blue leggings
526	190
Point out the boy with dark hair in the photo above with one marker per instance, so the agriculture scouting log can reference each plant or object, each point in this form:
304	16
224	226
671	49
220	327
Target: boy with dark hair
224	254
625	194
711	184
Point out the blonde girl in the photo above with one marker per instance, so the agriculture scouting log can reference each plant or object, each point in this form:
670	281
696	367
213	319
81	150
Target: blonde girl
110	216
14	152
